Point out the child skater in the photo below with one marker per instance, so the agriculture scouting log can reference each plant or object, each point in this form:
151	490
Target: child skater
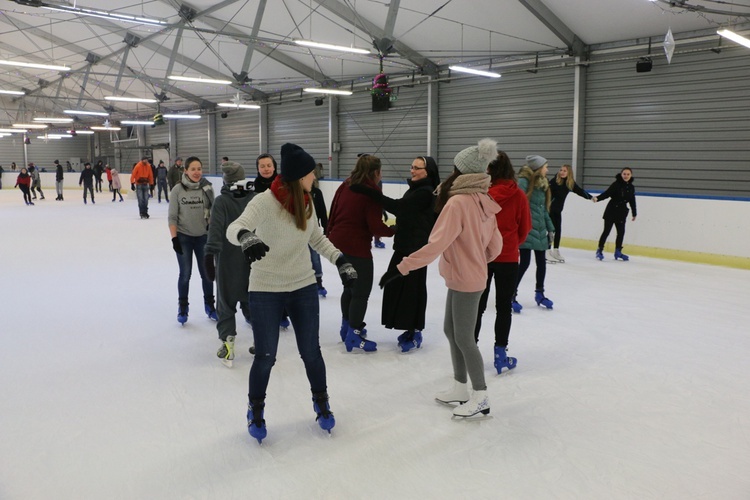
621	193
115	184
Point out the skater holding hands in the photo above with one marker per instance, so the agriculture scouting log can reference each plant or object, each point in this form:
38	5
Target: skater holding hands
621	193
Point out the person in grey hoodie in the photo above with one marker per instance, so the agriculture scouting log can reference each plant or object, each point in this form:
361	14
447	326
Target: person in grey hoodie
225	262
36	181
189	213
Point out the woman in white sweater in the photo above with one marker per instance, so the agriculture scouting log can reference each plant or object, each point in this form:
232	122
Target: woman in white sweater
274	232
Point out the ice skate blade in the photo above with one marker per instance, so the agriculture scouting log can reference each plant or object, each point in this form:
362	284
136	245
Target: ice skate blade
450	404
477	417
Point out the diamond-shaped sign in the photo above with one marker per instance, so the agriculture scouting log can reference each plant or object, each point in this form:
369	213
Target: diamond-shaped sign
669	45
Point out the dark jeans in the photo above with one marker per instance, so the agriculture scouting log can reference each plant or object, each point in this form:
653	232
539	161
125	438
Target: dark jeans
505	275
304	312
192	245
141	192
26	193
163	187
354	299
541	267
98	182
90	188
619	227
557	222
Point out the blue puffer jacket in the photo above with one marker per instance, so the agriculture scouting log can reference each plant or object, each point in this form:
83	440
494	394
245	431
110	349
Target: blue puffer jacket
541	223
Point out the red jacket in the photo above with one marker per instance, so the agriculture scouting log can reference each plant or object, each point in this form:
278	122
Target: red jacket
24	180
514	220
354	220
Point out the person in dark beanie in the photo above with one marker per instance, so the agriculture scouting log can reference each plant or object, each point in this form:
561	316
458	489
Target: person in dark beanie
59	177
98	171
87	181
274	232
621	193
532	179
225	262
265	164
355	218
466	238
405	300
161	181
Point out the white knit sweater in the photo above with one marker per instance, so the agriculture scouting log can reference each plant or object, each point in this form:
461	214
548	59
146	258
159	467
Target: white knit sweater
286	267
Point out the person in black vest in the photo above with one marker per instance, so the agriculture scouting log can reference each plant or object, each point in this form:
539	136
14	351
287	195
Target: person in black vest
59	180
621	194
98	171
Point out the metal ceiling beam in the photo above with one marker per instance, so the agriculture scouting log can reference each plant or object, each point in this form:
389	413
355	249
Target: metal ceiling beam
241	77
264	49
390	21
347	14
553	23
170	64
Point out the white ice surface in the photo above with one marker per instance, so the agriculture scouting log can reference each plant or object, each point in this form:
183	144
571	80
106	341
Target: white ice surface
634	386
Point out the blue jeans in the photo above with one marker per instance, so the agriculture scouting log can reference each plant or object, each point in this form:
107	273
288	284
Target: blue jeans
304	311
315	258
141	192
191	245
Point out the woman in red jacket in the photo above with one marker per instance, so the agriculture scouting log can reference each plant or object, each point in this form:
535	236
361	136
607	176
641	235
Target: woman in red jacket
24	181
355	218
514	223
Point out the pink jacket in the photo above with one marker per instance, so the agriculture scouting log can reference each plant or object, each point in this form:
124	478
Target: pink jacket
466	235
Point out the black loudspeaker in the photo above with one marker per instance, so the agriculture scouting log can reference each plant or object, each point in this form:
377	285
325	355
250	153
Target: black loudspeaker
381	102
643	65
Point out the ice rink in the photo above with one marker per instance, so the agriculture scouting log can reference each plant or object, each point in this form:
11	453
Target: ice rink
634	386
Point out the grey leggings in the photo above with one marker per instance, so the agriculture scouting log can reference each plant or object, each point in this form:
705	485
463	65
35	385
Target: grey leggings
460	319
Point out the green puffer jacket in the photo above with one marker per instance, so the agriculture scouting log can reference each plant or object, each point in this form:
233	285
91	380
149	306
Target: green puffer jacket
541	223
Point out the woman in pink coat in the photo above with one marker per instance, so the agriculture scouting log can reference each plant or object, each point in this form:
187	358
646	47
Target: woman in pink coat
466	237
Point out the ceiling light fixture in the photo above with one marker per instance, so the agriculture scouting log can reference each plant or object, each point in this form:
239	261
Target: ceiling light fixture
316	90
48	119
12	92
79	132
238	106
199	80
178	117
105	127
135	122
104	15
328	46
734	37
472	71
82	112
12	131
29	125
130	99
21	64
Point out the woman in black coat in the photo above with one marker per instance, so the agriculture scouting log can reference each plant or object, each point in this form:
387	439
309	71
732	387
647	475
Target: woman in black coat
563	183
621	194
405	299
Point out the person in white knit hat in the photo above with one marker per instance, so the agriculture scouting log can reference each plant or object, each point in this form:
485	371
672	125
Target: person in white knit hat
466	238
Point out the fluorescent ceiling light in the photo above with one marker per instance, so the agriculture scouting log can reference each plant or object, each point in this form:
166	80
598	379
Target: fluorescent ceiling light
135	122
88	132
46	137
46	119
12	131
199	80
12	92
29	125
238	106
177	117
735	37
82	112
472	71
105	15
110	127
328	46
129	99
316	90
34	66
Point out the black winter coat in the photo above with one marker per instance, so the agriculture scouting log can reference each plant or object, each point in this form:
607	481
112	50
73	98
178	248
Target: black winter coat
560	191
87	177
415	216
621	194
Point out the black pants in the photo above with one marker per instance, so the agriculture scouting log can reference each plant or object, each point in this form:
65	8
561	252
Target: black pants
619	227
26	193
115	193
90	188
557	222
505	275
98	185
354	299
541	267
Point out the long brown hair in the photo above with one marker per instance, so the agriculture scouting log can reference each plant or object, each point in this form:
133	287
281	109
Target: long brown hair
365	169
294	202
445	188
501	167
570	180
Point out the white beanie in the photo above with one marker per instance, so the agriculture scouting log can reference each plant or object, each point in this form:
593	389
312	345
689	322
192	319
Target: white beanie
474	160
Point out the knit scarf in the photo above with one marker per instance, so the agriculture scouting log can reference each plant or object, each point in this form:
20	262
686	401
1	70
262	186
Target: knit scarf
468	184
282	194
207	191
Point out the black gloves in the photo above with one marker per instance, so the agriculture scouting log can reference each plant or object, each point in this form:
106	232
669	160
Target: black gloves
390	275
132	186
176	245
367	191
346	271
208	263
252	246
